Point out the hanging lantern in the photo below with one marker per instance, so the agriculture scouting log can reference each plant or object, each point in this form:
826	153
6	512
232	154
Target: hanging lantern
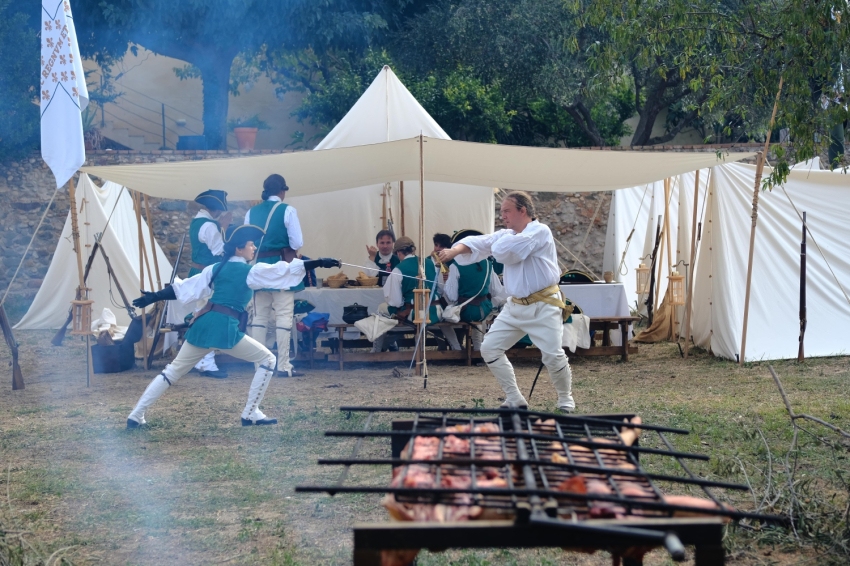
642	279
81	322
420	305
677	289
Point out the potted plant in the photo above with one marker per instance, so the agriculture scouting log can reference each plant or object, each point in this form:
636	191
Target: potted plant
245	130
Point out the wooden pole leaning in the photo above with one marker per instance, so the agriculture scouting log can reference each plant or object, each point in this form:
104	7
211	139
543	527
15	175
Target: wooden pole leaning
81	306
137	206
759	168
691	268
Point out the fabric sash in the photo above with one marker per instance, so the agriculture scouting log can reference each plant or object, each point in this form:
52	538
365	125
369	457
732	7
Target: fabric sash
545	296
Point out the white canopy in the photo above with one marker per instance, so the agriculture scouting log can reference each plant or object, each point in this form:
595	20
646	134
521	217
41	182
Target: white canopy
50	307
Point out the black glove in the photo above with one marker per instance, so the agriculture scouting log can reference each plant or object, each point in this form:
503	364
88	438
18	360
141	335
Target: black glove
148	298
326	262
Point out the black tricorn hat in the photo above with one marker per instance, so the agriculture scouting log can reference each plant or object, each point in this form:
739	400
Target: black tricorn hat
461	234
238	236
213	200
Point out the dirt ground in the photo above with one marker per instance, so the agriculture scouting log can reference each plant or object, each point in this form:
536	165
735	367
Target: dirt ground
198	488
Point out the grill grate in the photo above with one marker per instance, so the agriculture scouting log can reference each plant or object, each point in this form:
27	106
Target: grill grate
524	462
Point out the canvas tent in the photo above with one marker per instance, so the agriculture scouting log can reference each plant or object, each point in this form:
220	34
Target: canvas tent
724	214
343	224
50	307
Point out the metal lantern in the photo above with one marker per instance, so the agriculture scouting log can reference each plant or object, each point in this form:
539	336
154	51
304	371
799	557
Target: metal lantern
642	279
420	305
677	288
81	323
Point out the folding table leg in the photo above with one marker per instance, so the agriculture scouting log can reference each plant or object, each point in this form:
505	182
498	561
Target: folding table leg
624	332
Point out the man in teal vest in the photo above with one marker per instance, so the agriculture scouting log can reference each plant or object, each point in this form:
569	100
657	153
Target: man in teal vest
382	257
281	241
207	249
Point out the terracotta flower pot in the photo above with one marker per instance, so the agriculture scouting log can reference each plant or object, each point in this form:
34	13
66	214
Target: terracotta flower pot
245	137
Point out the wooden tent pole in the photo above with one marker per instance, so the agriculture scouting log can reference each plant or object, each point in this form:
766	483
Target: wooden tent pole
75	234
691	268
384	207
667	192
401	203
659	267
153	244
759	168
427	308
137	206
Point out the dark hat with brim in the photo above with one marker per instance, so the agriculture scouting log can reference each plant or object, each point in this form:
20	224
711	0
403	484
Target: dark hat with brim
238	236
403	243
466	232
213	200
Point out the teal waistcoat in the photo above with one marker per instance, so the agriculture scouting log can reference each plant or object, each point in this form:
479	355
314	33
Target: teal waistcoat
276	236
431	274
410	266
217	330
474	281
201	253
385	268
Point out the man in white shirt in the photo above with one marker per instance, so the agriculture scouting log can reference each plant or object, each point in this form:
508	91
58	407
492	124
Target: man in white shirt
535	307
281	241
382	259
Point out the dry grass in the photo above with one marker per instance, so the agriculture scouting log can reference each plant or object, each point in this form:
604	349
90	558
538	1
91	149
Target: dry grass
197	487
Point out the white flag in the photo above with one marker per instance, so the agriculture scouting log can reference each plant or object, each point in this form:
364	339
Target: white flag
63	92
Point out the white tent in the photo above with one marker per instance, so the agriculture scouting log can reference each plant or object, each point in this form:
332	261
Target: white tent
774	297
50	307
342	224
724	213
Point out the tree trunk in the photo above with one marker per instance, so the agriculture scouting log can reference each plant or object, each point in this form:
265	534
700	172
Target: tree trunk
215	75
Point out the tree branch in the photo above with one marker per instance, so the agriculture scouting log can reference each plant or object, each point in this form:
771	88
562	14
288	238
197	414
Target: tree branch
794	416
582	117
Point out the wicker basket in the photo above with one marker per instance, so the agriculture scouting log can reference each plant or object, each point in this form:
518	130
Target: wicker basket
337	283
367	281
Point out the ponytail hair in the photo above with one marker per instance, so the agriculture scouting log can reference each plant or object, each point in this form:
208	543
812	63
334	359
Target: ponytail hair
523	200
273	186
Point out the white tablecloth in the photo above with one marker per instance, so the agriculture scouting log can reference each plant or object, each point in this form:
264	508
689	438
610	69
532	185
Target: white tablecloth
332	301
598	299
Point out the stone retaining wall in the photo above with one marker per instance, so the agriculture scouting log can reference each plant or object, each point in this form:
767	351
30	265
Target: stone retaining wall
27	185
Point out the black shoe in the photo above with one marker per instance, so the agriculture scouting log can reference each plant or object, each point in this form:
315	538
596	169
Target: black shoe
131	424
249	422
217	374
393	347
290	373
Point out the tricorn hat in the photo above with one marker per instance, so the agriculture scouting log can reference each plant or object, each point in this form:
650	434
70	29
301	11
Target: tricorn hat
403	243
238	236
461	234
213	200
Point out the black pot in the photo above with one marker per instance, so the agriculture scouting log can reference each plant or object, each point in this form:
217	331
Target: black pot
353	313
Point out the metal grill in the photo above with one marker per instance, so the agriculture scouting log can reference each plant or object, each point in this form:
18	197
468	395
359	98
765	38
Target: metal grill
535	469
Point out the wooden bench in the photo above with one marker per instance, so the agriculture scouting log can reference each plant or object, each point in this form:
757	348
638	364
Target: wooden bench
342	356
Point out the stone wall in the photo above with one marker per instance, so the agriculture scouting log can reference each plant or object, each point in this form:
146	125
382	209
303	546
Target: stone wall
27	185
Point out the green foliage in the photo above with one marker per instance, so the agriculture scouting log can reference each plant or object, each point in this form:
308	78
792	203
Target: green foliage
19	112
248	122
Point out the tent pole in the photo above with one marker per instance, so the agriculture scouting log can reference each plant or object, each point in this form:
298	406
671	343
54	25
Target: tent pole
75	234
691	268
137	206
668	191
427	308
401	203
801	354
660	266
153	244
384	207
759	168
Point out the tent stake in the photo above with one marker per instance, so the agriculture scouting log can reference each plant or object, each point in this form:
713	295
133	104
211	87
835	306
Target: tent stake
759	168
691	268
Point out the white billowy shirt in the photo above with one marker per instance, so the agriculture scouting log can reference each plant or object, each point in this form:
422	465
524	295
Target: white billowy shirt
385	259
392	288
280	275
530	258
290	220
210	234
496	290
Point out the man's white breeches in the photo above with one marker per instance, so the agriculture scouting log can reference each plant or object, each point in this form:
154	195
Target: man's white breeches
283	305
207	363
544	325
246	349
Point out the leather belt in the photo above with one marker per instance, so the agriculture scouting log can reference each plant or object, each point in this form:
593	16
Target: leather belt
240	316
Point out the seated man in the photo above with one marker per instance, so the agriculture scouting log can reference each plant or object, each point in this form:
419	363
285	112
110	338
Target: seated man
481	287
382	258
398	290
436	271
